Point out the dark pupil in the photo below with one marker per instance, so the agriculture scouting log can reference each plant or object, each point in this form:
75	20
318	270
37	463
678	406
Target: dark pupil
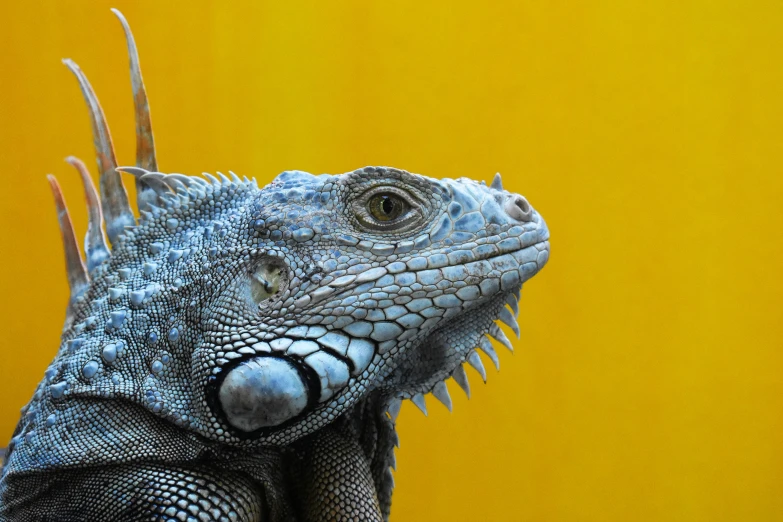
387	205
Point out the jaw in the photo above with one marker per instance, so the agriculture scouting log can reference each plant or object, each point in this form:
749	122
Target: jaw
443	352
371	422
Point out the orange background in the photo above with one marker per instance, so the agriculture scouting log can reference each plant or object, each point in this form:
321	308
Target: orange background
648	384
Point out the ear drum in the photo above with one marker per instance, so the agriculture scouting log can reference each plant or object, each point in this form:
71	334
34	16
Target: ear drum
262	392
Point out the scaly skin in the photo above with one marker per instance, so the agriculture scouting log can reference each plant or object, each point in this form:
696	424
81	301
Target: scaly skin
235	355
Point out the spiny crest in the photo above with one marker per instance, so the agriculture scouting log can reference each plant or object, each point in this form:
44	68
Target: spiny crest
439	390
78	280
111	208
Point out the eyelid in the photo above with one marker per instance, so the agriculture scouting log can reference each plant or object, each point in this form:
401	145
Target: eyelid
409	198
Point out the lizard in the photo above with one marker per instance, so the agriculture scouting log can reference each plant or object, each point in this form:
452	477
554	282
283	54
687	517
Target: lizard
241	353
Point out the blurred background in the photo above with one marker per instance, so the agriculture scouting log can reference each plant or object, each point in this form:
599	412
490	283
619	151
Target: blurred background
648	383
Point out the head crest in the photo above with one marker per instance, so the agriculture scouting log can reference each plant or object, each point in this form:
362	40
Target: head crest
112	207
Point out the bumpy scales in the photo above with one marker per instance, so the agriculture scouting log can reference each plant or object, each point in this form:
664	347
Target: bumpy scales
241	352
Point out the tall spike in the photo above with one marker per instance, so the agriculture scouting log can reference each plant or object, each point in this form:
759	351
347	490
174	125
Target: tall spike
114	199
507	318
441	392
461	378
497	182
394	409
186	181
212	179
78	280
95	249
195	181
134	171
486	346
513	303
155	181
175	184
475	361
146	196
418	400
498	335
145	142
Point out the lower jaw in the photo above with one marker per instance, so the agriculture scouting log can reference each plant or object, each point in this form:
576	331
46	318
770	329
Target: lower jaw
443	353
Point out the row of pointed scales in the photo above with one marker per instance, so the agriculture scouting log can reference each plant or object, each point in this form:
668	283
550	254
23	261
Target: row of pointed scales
440	391
112	207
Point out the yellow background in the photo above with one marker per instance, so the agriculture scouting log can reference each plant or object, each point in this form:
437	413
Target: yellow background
648	384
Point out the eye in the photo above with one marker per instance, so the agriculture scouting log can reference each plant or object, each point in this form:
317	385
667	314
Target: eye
389	209
386	206
265	281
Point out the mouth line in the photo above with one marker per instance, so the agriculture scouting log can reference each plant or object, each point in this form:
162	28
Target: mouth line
348	289
510	252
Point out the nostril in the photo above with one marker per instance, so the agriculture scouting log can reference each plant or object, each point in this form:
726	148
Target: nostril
522	203
518	208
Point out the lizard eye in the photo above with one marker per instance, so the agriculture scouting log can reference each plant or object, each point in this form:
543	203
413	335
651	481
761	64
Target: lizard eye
386	206
388	209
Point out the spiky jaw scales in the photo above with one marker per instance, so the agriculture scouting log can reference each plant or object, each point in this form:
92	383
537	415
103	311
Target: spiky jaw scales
458	342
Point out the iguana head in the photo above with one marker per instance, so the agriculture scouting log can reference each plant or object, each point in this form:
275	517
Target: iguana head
338	286
257	316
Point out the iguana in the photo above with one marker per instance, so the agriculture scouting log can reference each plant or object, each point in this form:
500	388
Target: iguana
241	353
